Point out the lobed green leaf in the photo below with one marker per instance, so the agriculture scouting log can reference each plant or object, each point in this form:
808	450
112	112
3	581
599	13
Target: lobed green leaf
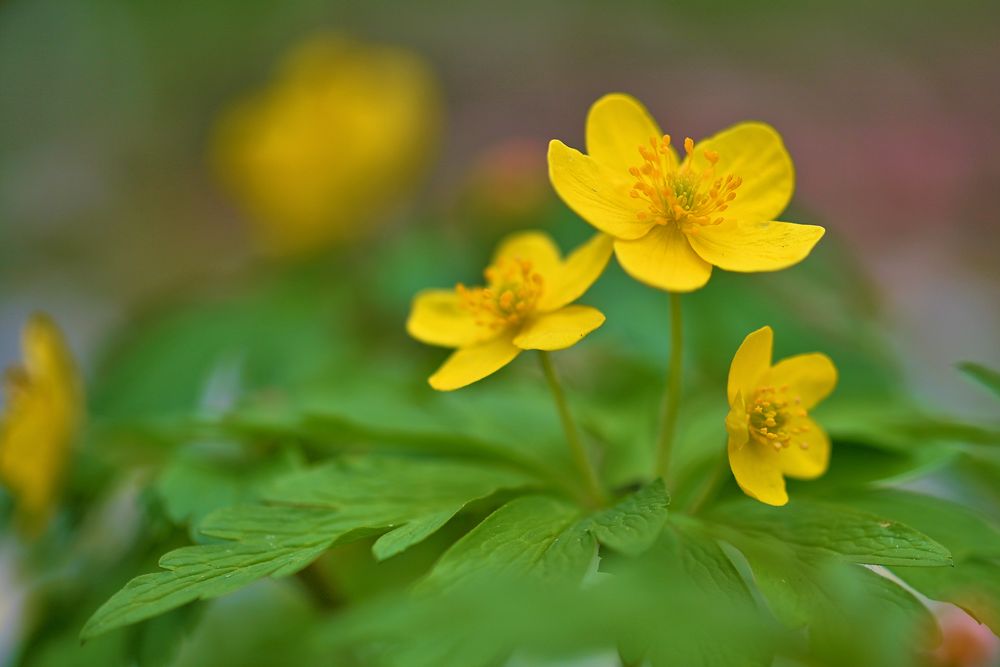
549	538
847	533
308	513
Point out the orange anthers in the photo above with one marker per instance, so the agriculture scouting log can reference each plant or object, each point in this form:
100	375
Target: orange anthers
678	194
511	293
771	421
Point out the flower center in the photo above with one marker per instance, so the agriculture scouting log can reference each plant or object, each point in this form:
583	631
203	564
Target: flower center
681	195
511	293
776	417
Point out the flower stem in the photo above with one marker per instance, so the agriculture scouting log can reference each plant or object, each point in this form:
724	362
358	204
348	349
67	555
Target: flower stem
594	493
671	398
711	486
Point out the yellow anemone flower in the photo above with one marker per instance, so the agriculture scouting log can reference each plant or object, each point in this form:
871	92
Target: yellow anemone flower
524	306
331	145
770	433
43	408
673	220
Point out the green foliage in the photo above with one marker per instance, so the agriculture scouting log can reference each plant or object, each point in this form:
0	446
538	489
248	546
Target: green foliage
973	585
285	427
989	377
534	535
551	539
632	526
305	515
210	476
827	529
965	532
684	580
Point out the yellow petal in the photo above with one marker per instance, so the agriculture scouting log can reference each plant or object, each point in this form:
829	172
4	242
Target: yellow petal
47	358
757	470
560	329
535	247
469	364
755	246
575	276
598	194
750	362
755	153
437	319
811	461
616	126
664	259
810	377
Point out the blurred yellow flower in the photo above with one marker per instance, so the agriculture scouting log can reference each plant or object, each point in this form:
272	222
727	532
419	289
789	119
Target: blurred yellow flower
673	220
524	306
43	407
771	435
340	135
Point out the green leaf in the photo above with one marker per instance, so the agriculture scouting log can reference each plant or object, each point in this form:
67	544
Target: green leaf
265	624
398	540
552	539
695	567
987	376
390	413
206	477
973	585
855	466
633	525
853	615
668	607
900	427
963	531
850	534
533	535
307	514
273	541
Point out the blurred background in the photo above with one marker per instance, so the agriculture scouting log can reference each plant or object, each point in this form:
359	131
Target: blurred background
137	170
108	197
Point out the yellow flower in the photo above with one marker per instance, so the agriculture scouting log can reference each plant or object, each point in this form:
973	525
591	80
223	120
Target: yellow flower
43	408
673	220
333	143
770	433
524	306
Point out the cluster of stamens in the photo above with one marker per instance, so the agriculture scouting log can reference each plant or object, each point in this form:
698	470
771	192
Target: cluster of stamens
777	419
681	195
511	293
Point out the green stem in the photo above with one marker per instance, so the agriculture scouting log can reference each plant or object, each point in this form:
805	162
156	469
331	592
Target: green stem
671	398
711	487
594	493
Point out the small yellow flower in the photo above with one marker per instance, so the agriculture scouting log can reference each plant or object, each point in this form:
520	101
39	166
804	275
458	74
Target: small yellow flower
673	220
43	407
770	433
524	306
336	140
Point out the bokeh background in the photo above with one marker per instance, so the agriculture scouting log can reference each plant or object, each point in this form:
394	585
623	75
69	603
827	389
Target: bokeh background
111	203
107	198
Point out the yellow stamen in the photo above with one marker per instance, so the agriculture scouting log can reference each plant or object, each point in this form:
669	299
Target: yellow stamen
511	294
772	421
680	195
